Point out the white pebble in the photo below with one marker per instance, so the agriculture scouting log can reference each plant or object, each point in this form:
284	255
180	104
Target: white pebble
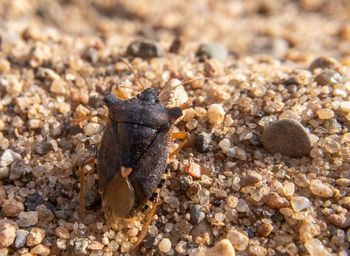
216	114
164	245
300	203
93	128
224	144
8	157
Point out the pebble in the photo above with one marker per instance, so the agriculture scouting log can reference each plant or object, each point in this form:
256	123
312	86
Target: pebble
194	170
95	246
196	215
165	245
222	248
144	49
324	63
275	201
4	252
8	157
202	142
340	220
93	128
11	208
203	228
238	239
325	113
5	65
59	86
80	246
250	179
264	229
300	203
216	114
62	232
27	219
21	238
213	68
18	168
288	137
212	50
329	77
316	248
36	236
40	250
257	250
320	189
43	148
7	234
343	182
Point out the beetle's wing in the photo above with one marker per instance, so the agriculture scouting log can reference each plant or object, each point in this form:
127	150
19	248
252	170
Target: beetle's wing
118	198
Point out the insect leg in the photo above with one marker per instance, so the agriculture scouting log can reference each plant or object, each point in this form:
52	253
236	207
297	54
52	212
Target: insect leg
179	135
88	160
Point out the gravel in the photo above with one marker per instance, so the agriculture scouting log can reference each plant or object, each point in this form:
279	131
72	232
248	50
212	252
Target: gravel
229	189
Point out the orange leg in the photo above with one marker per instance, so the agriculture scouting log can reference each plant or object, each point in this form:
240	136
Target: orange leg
120	93
144	230
179	135
82	209
125	172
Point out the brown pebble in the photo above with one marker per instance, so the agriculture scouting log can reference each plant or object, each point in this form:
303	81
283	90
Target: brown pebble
201	229
222	248
40	250
265	229
95	245
7	234
36	236
324	62
275	201
288	137
2	195
176	45
340	220
62	232
329	77
11	208
213	68
250	179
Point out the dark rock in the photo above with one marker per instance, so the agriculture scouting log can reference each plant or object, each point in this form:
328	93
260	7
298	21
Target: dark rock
144	49
202	142
288	137
196	215
43	148
329	77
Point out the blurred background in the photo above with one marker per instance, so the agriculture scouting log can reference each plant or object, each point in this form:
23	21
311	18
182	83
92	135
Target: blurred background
293	29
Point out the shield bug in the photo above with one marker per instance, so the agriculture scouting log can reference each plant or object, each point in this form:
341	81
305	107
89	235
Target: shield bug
133	153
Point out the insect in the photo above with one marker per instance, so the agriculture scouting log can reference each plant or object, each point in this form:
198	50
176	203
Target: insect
133	153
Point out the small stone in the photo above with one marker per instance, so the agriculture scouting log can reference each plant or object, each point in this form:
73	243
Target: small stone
257	250
213	68
165	245
18	168
325	113
175	95
329	77
5	65
301	180
345	106
196	215
320	189
95	246
216	114
300	203
288	137
202	142
4	252
324	63
288	188
238	239
93	128
222	248
8	157
21	238
265	229
80	246
202	229
34	123
343	182
316	248
40	250
59	86
193	169
340	220
224	144
212	50
144	49
2	195
242	206
43	148
36	236
11	208
62	232
27	219
250	179
7	235
274	201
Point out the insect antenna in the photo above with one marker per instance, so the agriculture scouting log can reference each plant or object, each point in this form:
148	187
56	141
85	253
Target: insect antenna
132	71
